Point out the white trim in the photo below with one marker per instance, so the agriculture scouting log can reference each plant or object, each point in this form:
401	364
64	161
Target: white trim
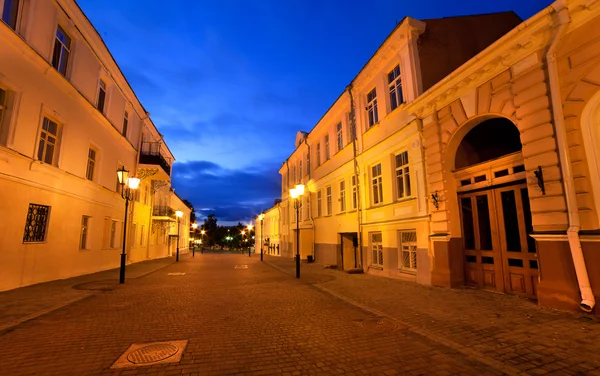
564	238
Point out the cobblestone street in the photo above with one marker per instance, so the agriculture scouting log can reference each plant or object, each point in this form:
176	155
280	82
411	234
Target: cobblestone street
241	316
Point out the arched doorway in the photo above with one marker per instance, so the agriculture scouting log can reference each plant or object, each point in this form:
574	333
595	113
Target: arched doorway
494	208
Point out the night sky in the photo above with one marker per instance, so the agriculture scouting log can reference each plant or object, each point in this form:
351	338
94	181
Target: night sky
229	83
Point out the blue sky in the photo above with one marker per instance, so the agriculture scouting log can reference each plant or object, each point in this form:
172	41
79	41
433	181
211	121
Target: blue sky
230	82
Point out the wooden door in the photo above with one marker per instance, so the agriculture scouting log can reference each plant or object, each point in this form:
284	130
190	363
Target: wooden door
483	257
519	256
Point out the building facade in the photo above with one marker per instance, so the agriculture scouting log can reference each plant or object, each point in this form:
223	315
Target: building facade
465	152
267	230
68	121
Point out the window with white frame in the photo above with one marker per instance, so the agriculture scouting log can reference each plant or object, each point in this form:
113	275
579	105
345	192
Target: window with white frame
62	49
36	223
402	175
48	142
408	250
318	154
6	101
376	249
300	168
125	124
329	201
83	238
377	184
372	112
327	155
10	12
307	163
101	101
354	193
339	136
342	196
113	234
395	87
91	164
319	204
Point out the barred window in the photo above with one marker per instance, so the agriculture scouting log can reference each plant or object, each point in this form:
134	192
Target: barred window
376	249
36	224
408	250
402	175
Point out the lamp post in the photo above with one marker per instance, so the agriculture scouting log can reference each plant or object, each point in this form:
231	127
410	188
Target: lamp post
296	193
261	217
194	227
249	248
128	187
179	214
201	239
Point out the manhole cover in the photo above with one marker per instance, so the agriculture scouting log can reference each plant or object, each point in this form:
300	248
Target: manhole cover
380	324
176	273
144	354
152	353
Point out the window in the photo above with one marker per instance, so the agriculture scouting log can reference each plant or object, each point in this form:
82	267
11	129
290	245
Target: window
85	221
307	163
125	123
62	49
6	99
9	13
47	147
340	137
142	233
101	96
354	195
113	234
342	196
372	107
300	169
329	201
395	86
376	249
327	156
408	250
377	184
318	154
319	205
91	163
36	223
402	175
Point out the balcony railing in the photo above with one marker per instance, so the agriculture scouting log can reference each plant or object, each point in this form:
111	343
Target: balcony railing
151	154
163	211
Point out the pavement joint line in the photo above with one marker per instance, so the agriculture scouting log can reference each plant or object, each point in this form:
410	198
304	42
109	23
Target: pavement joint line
471	354
13	324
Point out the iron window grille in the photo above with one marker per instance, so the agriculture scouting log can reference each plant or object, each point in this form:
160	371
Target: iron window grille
376	249
36	223
372	107
408	250
62	49
395	87
402	175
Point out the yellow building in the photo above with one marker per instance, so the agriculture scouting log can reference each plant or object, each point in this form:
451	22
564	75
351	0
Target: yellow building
267	230
68	121
465	152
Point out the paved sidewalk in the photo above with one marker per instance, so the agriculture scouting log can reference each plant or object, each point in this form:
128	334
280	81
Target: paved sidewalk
509	334
25	303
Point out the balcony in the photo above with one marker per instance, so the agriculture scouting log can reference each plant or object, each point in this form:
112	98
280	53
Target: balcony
163	213
152	157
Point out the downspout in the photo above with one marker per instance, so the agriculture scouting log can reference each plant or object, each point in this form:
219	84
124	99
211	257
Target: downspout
310	213
587	296
352	121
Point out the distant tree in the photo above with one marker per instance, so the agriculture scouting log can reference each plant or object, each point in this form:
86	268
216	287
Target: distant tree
211	228
193	212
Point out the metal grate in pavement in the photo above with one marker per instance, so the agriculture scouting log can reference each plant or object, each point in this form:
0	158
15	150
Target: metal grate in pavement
177	273
147	354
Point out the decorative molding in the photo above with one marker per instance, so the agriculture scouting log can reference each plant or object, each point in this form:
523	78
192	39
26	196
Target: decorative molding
144	173
159	185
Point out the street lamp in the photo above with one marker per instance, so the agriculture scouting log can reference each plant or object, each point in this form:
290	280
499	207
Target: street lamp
128	187
249	229
296	193
261	217
202	238
194	227
178	214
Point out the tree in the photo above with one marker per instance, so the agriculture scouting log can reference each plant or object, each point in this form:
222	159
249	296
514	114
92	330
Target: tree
210	226
193	213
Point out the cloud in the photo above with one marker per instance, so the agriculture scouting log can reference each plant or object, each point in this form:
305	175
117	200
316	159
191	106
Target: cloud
232	195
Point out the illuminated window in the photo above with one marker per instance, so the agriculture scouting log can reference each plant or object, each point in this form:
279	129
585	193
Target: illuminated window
36	223
62	49
376	249
372	107
408	250
395	87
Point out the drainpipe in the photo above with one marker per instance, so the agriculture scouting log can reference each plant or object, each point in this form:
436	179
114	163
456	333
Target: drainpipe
352	120
587	296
